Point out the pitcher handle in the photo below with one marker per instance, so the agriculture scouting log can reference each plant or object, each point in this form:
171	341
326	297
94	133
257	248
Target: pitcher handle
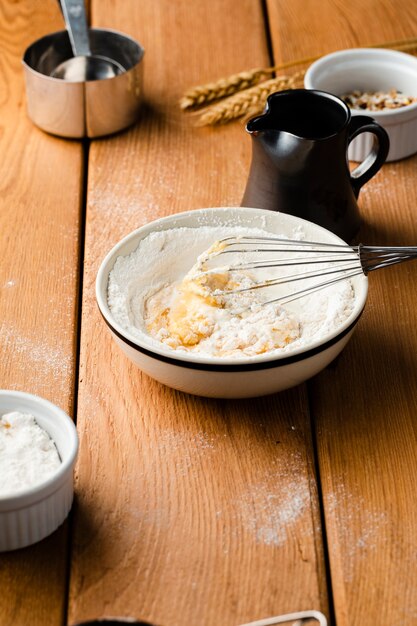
379	151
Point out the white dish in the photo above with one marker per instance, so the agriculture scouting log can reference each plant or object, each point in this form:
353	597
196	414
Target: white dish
218	376
372	69
34	513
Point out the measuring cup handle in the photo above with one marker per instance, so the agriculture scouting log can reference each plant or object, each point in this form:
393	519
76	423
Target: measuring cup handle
76	23
379	151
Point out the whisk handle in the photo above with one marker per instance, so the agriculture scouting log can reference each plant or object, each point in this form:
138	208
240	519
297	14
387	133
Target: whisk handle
378	154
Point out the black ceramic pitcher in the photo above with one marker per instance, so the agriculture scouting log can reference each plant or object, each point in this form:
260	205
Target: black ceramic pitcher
299	159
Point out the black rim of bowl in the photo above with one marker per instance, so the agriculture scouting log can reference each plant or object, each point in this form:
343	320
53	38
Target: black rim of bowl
238	367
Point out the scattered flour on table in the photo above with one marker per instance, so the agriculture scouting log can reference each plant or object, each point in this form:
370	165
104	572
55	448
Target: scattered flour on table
28	456
270	517
47	353
359	524
277	505
156	294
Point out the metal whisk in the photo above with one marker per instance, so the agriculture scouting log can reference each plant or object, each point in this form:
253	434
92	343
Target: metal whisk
336	262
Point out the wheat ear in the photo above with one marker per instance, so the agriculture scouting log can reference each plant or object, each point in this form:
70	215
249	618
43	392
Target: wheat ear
249	101
200	96
204	94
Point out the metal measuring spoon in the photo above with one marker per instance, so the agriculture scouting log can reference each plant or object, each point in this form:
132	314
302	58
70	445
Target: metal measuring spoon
83	66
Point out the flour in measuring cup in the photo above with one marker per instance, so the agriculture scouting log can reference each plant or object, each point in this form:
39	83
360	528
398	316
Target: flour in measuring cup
28	456
155	294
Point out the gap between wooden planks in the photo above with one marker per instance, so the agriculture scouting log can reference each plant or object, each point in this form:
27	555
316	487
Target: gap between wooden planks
41	180
365	405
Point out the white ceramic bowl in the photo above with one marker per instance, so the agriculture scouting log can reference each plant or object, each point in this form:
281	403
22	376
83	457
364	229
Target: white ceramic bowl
372	69
218	376
34	513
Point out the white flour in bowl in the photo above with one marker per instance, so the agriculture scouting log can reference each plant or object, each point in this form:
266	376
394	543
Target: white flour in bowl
157	295
28	456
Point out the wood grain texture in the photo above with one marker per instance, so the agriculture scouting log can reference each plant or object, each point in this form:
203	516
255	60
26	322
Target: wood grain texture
303	29
192	510
364	406
366	429
189	510
40	198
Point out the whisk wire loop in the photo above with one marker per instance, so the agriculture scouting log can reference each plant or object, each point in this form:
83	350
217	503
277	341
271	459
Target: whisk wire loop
340	261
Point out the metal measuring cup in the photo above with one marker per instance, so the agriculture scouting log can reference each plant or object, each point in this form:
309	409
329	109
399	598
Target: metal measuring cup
83	108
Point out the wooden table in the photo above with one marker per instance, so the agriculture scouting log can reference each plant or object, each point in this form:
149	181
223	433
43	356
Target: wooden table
193	511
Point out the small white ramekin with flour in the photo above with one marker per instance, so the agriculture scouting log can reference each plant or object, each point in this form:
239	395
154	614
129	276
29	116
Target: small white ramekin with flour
163	251
39	498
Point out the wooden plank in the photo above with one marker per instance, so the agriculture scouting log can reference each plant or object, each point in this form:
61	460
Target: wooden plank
40	196
364	405
189	510
303	29
366	429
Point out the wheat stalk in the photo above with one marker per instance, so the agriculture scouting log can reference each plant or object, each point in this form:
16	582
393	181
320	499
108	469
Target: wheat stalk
249	101
202	95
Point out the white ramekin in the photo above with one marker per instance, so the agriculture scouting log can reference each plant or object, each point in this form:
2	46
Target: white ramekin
34	513
372	69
